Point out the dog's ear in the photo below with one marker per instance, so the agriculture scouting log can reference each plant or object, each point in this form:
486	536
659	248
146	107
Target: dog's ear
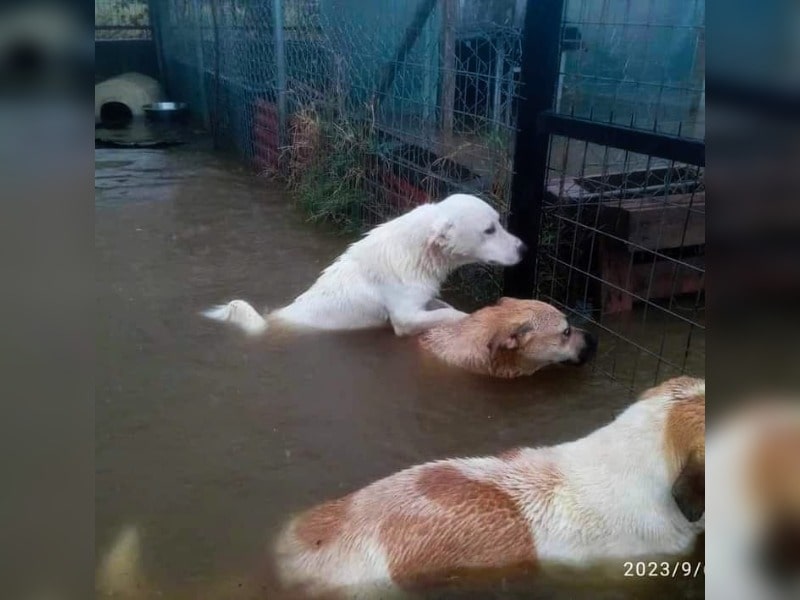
507	340
440	232
689	490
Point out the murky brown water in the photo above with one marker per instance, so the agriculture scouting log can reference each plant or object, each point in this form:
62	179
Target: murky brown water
207	441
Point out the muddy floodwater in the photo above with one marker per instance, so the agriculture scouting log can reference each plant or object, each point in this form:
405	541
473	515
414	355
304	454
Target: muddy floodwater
206	441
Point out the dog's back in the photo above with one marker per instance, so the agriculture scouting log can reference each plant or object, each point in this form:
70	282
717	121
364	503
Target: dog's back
605	496
392	273
413	528
348	293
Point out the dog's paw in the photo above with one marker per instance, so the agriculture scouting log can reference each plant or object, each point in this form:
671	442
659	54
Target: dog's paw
454	315
403	331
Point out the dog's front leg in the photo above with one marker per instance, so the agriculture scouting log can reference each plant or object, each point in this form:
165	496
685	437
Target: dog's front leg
412	322
436	304
408	310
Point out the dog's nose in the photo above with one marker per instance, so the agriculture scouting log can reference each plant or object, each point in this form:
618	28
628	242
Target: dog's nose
522	248
589	348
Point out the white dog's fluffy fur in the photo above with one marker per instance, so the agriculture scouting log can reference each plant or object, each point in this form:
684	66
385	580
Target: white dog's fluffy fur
632	489
393	273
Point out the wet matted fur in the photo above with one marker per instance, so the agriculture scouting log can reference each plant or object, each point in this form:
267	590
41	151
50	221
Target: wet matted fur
510	339
633	488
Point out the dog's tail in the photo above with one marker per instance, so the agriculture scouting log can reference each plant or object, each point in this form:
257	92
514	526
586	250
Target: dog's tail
240	314
119	574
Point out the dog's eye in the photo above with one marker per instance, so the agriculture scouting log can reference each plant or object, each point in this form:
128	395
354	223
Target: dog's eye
567	331
490	231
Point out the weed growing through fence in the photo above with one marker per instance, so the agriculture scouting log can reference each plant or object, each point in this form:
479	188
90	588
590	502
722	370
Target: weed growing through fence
328	164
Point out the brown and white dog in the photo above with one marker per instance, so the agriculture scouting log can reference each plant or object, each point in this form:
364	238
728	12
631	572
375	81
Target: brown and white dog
753	534
510	339
634	488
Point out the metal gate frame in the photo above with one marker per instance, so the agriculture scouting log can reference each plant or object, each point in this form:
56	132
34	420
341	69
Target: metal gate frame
537	121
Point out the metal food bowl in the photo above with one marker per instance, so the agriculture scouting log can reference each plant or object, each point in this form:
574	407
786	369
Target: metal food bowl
166	112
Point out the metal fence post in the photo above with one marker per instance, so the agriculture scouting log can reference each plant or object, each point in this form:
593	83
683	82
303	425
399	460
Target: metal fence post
280	70
201	64
152	10
541	44
215	121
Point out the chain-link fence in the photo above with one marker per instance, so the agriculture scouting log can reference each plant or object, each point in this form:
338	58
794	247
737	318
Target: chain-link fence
367	108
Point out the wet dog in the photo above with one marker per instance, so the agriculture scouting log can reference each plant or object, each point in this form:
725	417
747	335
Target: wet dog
389	276
631	489
510	339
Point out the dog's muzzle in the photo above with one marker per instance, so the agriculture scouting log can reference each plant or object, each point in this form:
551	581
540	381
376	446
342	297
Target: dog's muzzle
589	348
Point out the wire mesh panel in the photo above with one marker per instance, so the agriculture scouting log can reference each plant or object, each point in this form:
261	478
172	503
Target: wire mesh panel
635	63
623	246
622	238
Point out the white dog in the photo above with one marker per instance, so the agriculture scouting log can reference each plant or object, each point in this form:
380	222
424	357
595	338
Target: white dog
394	272
632	489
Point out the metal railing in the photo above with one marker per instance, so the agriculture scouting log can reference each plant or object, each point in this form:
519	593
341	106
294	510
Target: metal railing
616	211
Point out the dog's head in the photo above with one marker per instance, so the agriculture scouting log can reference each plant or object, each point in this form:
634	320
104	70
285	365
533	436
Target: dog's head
468	230
530	334
681	404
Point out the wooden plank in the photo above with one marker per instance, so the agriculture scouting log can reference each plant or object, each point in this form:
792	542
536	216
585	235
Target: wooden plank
657	224
614	263
667	227
665	275
643	280
696	201
466	151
